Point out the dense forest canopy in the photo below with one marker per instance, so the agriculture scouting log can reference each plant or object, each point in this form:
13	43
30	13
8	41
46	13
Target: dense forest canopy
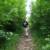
40	22
11	10
12	14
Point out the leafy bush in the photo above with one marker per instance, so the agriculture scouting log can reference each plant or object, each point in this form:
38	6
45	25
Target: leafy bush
2	38
11	18
40	22
9	26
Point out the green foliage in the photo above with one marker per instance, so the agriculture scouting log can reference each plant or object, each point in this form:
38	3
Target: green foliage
11	10
40	17
2	38
12	14
9	26
40	22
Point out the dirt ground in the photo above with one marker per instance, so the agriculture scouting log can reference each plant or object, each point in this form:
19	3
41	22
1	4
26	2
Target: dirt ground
26	41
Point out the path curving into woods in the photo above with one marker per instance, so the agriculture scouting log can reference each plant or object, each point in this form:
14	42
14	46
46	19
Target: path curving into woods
26	41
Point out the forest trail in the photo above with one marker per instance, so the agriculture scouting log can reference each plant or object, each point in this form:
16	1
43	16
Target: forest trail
25	42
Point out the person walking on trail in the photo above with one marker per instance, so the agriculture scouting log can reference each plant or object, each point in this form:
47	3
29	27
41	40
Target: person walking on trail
25	25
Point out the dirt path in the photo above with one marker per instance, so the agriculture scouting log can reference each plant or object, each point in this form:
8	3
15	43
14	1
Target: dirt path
25	42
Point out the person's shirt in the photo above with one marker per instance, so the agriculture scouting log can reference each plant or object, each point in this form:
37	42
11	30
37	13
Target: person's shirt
25	24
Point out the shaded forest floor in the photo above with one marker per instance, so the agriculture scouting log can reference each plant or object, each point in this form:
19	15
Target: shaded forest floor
26	43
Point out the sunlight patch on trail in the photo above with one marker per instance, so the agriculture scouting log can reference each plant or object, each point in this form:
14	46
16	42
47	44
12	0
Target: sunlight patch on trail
28	14
28	9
